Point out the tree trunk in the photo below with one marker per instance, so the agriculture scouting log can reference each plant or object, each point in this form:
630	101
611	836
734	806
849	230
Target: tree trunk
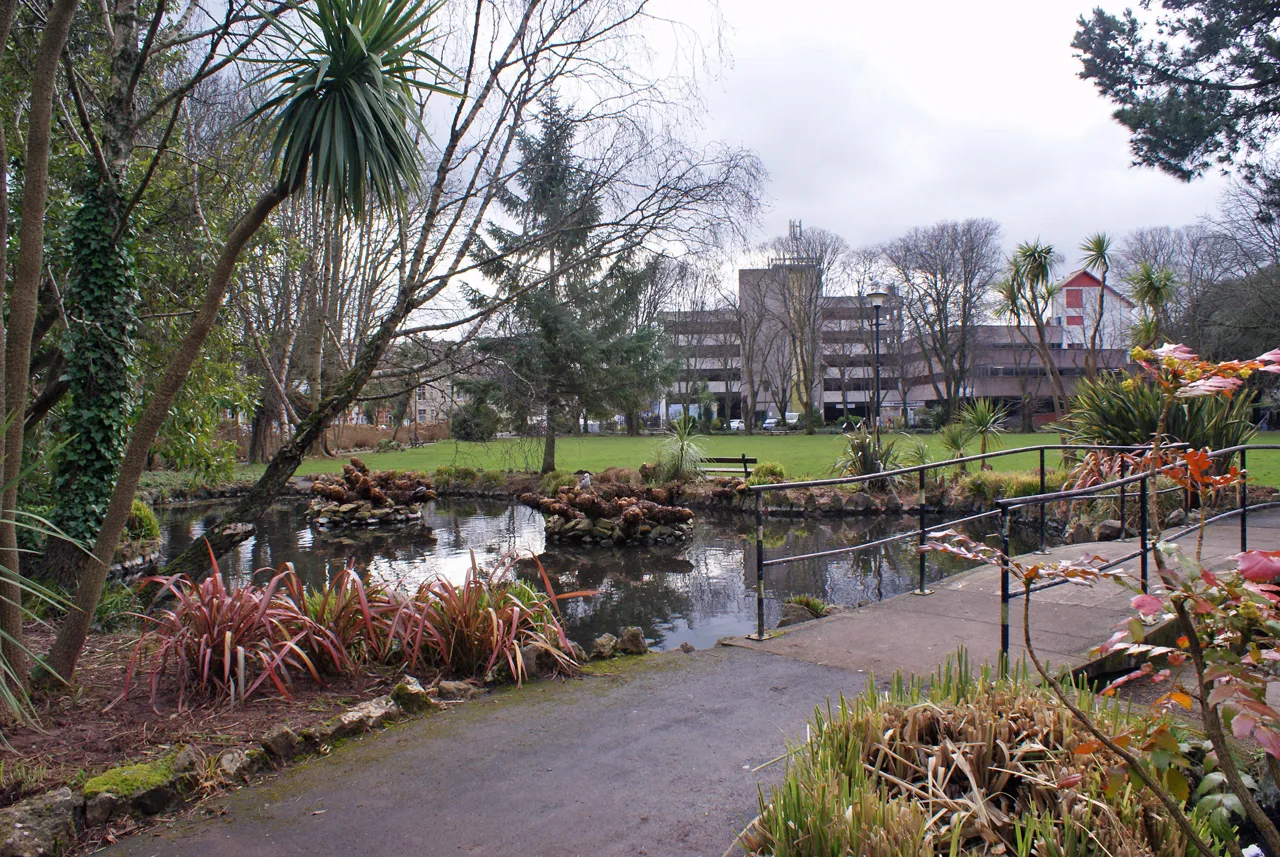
75	627
549	445
22	310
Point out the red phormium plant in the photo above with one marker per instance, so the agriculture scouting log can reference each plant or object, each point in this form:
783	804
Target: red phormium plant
226	642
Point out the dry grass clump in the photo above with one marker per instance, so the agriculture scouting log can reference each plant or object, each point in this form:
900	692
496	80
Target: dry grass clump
963	765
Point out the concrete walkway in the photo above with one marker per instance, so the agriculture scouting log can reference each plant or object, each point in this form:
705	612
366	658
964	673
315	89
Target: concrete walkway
656	760
915	633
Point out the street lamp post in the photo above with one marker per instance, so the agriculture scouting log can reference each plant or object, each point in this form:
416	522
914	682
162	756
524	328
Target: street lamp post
877	300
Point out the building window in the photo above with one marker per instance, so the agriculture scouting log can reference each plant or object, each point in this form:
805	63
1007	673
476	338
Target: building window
1075	300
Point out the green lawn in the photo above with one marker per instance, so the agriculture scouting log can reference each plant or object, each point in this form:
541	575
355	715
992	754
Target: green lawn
800	455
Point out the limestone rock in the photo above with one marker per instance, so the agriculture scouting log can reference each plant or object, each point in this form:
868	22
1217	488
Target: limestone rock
40	826
687	648
1108	530
364	717
810	503
1078	534
605	646
1177	518
859	502
281	742
101	808
632	642
235	764
412	697
460	690
833	609
794	614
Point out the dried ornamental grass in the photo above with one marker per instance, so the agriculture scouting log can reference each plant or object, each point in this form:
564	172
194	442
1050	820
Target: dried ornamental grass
964	766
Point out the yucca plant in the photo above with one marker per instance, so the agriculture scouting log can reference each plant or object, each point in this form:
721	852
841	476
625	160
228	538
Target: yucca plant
985	420
954	438
680	456
862	457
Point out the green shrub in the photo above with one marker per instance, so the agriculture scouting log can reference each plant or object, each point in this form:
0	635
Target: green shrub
455	476
388	445
767	473
1111	410
142	524
555	480
118	607
491	480
808	602
474	421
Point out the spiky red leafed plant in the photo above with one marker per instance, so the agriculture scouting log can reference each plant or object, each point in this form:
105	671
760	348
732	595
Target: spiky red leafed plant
352	618
479	626
227	642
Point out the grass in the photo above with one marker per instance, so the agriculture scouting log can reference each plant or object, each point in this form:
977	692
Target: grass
802	456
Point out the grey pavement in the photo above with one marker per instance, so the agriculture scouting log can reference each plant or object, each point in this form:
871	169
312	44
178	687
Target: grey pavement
657	761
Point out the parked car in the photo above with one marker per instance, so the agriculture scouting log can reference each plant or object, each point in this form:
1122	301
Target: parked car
770	424
736	425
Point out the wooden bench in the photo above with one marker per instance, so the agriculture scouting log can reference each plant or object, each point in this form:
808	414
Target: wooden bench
742	464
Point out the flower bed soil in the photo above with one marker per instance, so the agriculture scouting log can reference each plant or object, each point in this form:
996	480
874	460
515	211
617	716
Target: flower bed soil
79	736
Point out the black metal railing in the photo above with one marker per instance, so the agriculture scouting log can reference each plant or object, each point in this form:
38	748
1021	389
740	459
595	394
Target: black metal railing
1007	506
1003	508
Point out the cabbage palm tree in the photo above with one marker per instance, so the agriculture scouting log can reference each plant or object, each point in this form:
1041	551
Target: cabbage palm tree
985	420
1097	258
1153	288
1026	295
341	113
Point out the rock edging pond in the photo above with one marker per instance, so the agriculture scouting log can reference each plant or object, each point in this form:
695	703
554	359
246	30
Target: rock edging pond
615	514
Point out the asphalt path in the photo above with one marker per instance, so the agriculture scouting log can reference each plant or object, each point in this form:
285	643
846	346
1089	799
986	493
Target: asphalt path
658	759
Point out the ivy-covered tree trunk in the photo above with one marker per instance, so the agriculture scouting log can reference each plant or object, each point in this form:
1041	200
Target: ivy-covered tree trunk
100	300
549	445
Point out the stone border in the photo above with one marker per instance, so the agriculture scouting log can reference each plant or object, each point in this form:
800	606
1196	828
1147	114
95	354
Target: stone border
49	824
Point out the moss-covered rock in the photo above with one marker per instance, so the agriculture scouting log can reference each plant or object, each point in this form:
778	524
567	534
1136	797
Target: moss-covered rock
129	780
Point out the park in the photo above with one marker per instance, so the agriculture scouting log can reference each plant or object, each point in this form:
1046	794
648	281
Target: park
628	427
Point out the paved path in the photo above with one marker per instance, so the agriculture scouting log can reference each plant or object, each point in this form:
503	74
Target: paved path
657	760
915	633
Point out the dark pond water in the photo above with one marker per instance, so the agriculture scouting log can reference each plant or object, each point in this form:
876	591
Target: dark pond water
696	592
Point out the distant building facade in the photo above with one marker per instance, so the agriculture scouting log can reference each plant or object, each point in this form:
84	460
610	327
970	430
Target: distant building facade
754	351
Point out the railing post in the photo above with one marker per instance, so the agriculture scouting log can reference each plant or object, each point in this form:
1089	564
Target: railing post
759	565
1004	590
746	474
1124	522
920	590
1244	503
1043	538
1144	499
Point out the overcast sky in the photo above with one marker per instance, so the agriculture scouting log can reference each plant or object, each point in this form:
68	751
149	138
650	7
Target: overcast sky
872	117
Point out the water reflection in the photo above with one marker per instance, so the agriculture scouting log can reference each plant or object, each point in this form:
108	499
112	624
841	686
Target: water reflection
695	592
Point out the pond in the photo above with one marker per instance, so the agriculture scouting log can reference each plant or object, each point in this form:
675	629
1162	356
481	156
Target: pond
696	592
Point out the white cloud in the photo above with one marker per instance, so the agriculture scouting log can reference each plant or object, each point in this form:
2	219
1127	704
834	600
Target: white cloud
872	118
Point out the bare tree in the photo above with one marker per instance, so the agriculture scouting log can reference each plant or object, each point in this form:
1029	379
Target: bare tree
809	263
944	276
654	189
